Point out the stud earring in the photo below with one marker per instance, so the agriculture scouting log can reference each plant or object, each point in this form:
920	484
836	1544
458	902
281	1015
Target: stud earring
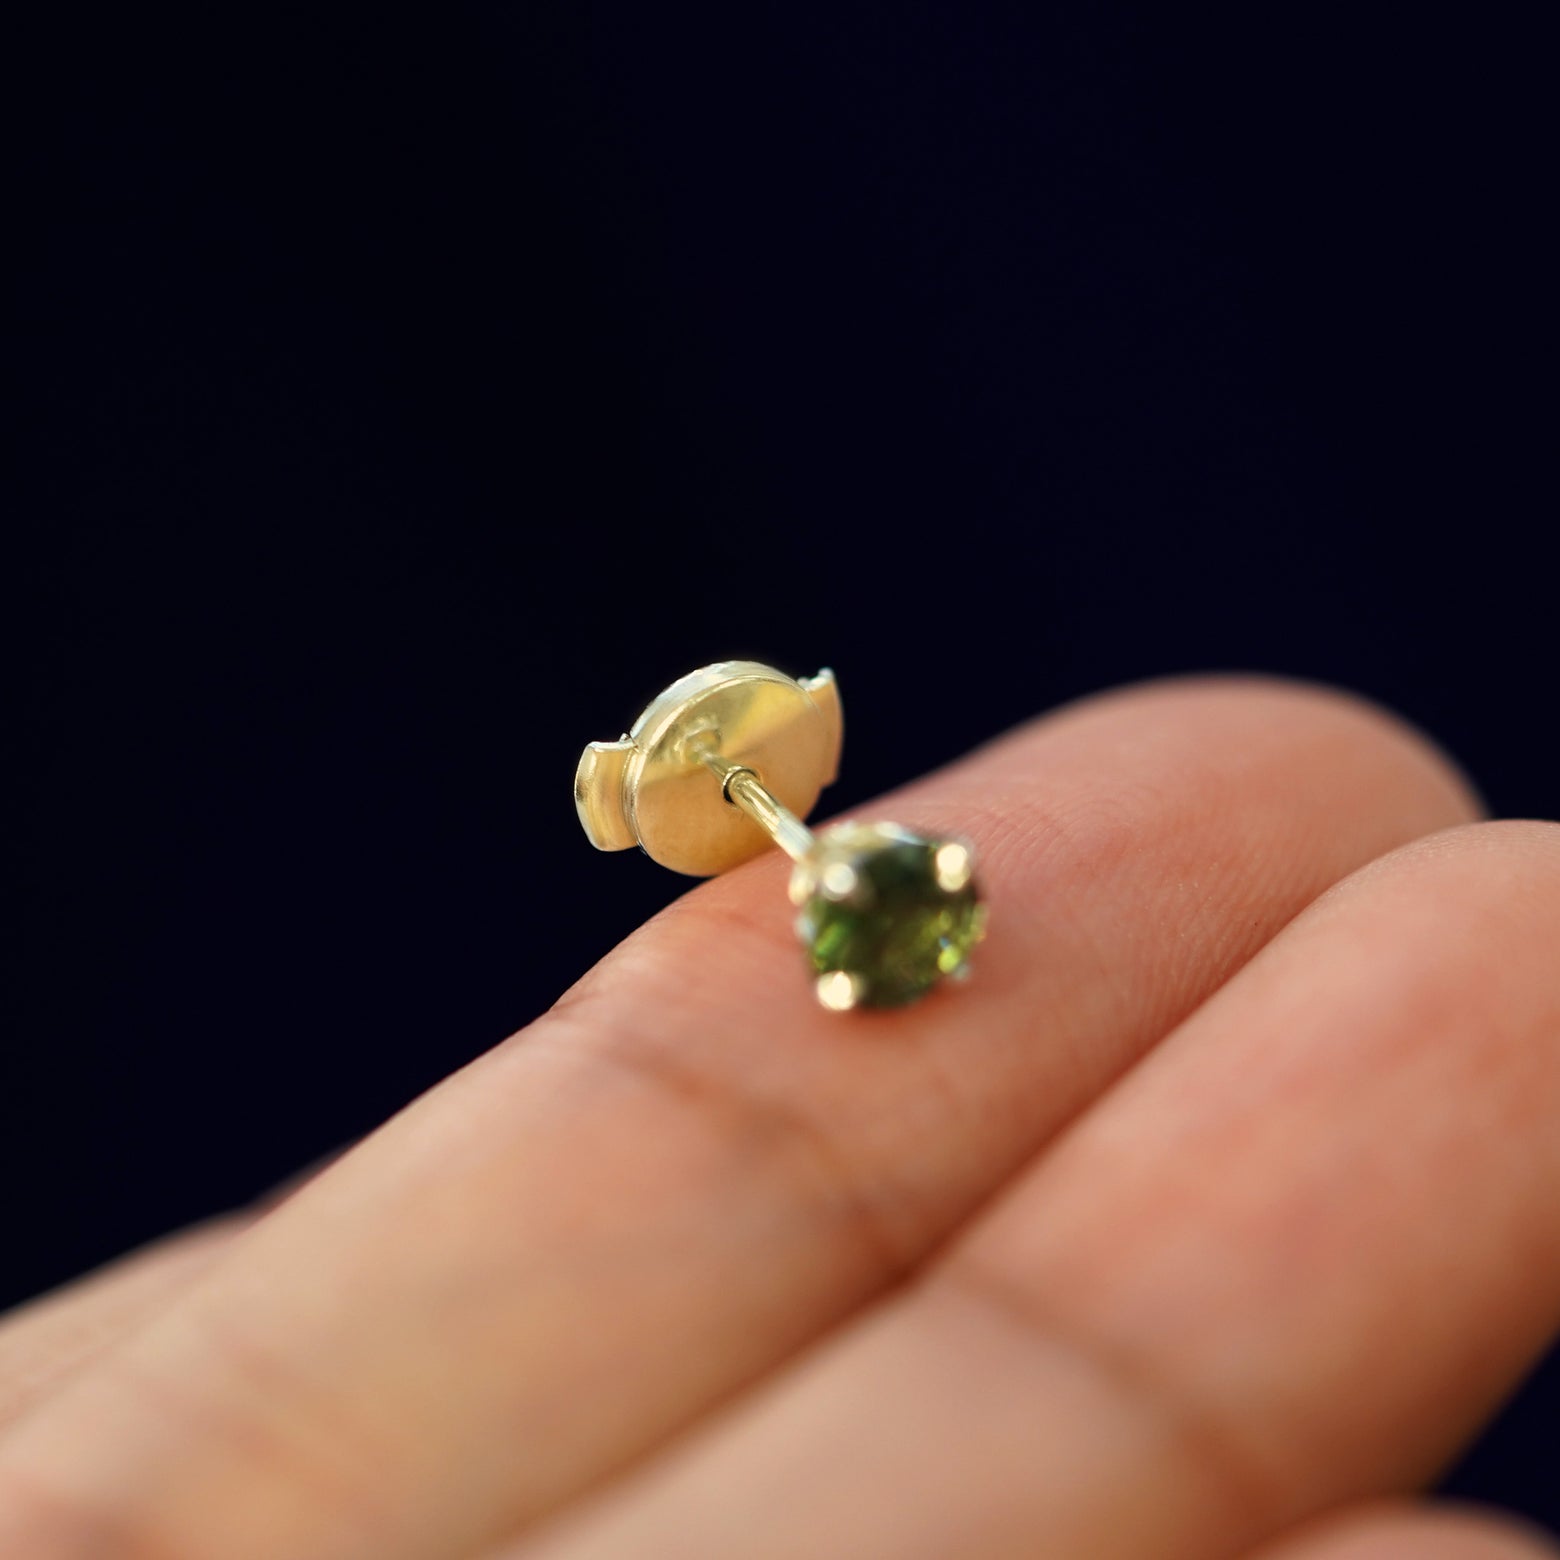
737	751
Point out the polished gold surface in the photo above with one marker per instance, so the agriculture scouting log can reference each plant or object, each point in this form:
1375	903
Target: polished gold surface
665	784
782	826
598	795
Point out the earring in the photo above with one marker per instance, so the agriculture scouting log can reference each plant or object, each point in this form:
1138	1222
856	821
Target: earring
737	751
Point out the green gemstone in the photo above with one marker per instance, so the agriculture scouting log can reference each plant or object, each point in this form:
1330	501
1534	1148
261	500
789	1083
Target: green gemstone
882	907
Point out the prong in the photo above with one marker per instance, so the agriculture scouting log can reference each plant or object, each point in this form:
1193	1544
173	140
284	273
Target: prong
839	991
839	881
954	865
803	884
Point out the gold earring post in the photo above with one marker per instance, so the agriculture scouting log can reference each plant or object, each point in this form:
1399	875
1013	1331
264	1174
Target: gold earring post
744	789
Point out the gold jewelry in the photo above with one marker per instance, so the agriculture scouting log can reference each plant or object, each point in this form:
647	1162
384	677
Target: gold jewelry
737	751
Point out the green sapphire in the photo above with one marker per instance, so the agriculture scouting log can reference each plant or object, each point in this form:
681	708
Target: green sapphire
885	913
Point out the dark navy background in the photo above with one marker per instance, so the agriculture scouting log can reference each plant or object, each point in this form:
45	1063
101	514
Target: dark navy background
408	398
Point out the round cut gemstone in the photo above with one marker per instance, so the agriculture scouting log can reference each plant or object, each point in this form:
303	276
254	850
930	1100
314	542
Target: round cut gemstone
885	913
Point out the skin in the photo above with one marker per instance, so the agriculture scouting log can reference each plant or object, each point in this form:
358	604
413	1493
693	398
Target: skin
1217	1206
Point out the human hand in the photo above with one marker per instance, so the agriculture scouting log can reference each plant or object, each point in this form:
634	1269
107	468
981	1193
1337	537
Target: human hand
1220	1204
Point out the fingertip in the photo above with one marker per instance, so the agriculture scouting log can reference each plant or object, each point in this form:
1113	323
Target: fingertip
1271	696
1442	1533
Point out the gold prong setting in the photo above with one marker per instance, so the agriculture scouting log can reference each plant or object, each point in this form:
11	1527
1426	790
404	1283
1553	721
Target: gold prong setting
892	910
953	864
841	883
839	991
